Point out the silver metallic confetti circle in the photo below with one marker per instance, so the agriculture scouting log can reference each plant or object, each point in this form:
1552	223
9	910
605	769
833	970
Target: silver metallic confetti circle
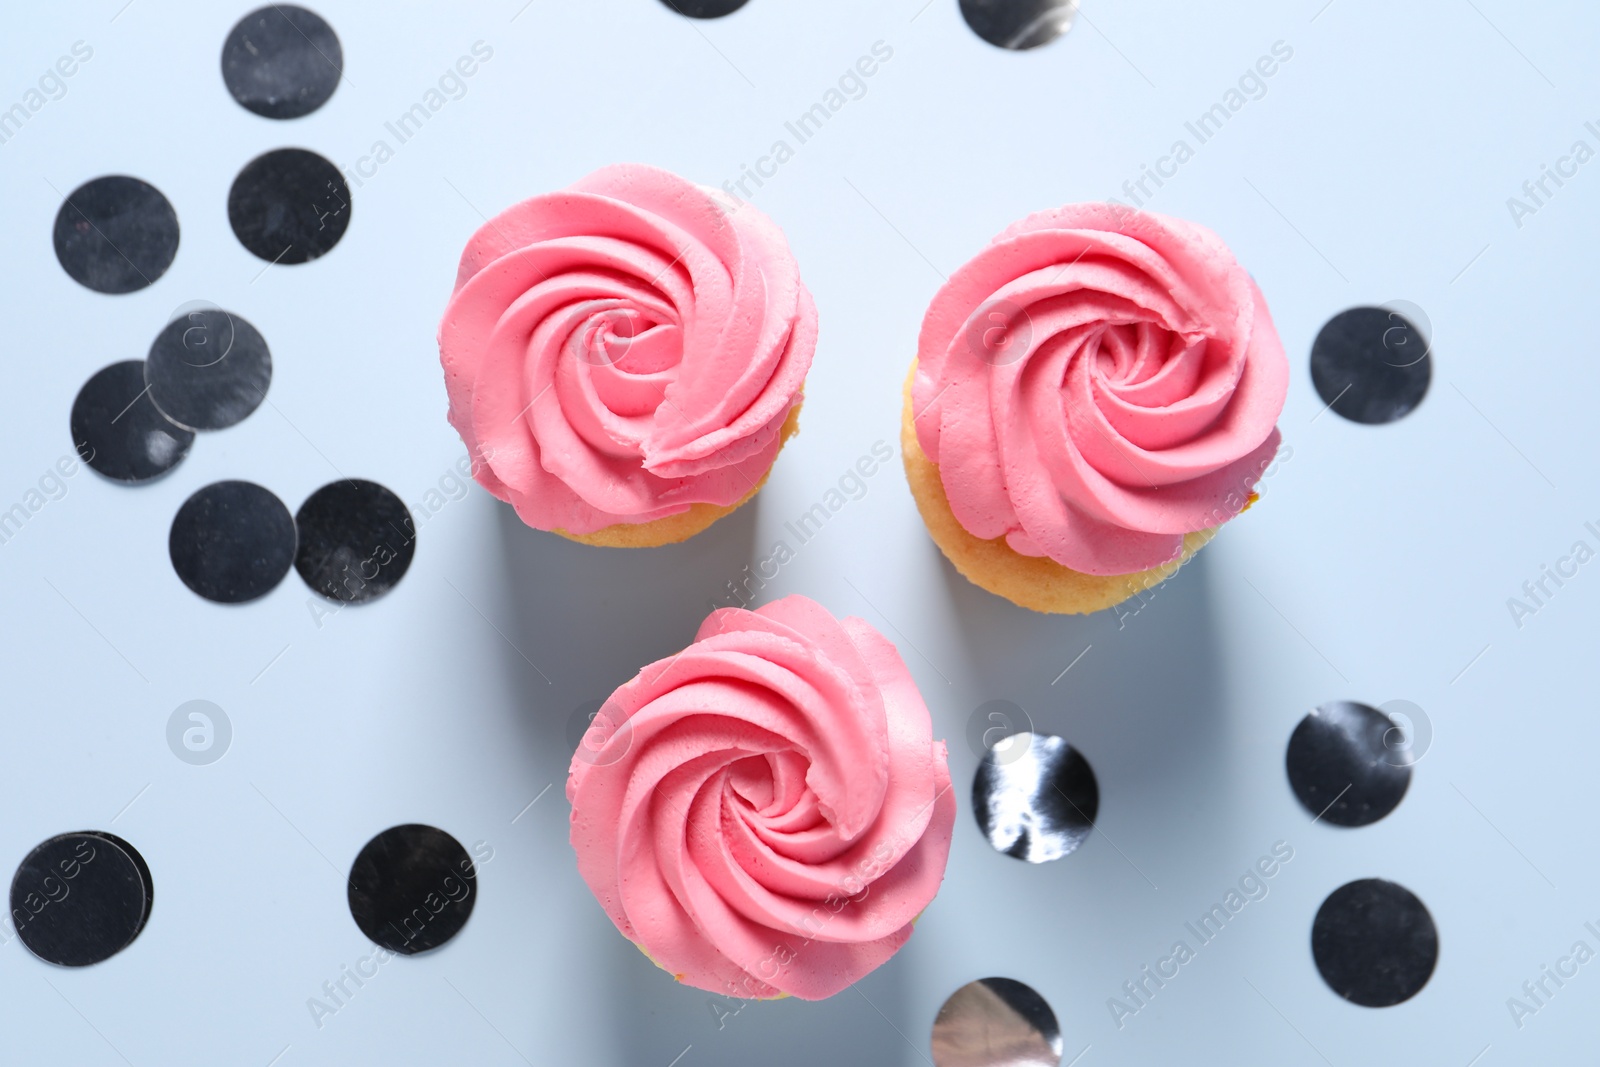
996	1022
1035	797
1348	763
1018	25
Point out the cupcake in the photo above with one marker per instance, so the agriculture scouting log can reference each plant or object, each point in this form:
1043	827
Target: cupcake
1093	396
625	358
765	813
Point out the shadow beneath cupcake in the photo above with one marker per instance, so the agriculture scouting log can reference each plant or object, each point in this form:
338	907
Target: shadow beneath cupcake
665	1018
592	617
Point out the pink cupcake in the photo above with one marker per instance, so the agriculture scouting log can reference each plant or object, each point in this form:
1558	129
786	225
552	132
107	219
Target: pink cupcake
625	358
1094	395
765	813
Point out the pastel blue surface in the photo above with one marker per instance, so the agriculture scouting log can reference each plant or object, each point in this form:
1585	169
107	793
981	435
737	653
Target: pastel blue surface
1375	165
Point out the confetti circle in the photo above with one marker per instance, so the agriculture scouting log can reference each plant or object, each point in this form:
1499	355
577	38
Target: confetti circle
705	9
1035	797
1345	764
356	541
289	206
1019	24
116	234
1371	365
208	369
996	1022
412	888
232	542
282	61
1374	943
81	898
118	431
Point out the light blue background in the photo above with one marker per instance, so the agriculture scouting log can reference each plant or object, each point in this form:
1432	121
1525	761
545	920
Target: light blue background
1377	566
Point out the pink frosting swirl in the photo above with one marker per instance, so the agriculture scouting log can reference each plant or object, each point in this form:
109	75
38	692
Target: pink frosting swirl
765	813
1096	383
625	348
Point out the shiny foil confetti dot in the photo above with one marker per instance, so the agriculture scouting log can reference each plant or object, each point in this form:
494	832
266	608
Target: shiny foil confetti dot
208	369
119	432
81	898
996	1022
1019	24
116	234
1349	764
412	888
289	206
1035	797
1374	943
282	61
356	541
232	542
1371	365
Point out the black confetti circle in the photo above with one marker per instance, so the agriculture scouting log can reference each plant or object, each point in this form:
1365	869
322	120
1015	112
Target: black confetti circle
412	888
1375	943
1371	365
116	234
1346	764
356	540
705	9
81	898
208	369
282	61
1019	24
289	206
232	542
118	431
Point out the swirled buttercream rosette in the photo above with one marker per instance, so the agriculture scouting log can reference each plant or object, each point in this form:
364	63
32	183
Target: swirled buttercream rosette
624	358
1094	394
765	813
